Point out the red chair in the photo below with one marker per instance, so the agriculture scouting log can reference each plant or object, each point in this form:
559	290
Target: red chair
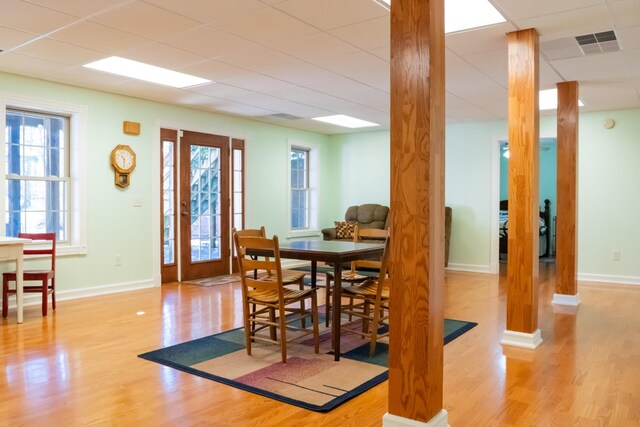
34	275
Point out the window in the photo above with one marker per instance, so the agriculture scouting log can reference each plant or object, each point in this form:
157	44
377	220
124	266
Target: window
37	173
299	188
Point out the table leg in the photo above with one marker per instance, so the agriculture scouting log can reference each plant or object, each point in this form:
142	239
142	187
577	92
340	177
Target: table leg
19	286
314	271
337	297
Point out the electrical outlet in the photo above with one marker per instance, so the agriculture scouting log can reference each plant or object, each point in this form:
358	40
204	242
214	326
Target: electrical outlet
615	255
118	260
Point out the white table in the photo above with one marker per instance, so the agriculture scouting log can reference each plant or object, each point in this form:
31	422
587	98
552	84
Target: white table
11	250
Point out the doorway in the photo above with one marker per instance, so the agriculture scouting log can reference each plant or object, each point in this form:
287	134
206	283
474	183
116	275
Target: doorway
196	174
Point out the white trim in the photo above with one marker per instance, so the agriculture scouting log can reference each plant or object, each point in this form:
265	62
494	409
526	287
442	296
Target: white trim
71	294
472	268
77	244
313	185
563	299
607	278
441	419
494	266
521	339
156	156
295	234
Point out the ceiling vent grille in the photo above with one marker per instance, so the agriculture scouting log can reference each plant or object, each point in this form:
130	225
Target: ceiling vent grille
605	41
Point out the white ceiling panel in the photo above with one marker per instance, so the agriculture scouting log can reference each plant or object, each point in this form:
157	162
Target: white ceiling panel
59	51
214	70
10	39
583	21
366	35
162	55
308	57
266	25
31	18
314	47
98	37
329	14
627	12
210	11
472	42
144	20
520	10
207	41
79	8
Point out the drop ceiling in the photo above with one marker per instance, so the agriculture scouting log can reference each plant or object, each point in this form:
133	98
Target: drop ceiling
285	61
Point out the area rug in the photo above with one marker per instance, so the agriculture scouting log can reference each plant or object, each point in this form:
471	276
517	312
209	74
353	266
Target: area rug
214	281
308	380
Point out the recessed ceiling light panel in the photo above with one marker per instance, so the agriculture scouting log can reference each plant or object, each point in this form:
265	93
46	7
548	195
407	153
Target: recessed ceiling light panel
345	121
548	100
149	73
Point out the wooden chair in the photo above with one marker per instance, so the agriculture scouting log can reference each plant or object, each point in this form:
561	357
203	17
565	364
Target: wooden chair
369	304
349	277
266	302
43	276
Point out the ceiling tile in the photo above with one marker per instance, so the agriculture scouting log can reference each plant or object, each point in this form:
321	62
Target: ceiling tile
31	18
263	60
79	8
601	67
9	38
302	74
367	35
220	90
314	47
629	38
383	53
214	70
329	14
98	37
518	9
609	96
144	20
266	25
209	42
209	11
30	66
362	67
485	39
583	21
162	55
258	82
627	13
54	50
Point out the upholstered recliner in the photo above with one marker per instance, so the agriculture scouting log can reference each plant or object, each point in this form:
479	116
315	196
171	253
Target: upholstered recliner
367	216
377	216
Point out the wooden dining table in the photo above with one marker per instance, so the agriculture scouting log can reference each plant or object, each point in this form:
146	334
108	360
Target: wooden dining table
328	251
11	249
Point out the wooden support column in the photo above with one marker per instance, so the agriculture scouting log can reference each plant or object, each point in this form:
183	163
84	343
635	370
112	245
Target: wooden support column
417	214
524	119
566	194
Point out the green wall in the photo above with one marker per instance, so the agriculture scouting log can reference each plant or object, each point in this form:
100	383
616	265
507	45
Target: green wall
115	227
608	185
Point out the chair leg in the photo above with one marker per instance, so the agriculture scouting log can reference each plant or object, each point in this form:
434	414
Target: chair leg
283	334
314	319
45	297
5	297
272	329
53	293
248	326
374	330
303	321
327	301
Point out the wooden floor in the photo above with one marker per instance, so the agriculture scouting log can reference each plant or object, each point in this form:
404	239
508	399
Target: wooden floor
78	366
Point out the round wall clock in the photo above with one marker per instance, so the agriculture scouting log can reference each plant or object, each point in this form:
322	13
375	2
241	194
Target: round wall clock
123	160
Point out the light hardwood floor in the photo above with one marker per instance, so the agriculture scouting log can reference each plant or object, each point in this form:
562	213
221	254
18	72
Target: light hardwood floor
79	366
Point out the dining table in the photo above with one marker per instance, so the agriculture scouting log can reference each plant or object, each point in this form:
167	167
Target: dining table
11	249
335	252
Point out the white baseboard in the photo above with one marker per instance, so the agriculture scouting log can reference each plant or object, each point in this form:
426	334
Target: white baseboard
472	268
562	299
441	419
521	339
608	278
65	295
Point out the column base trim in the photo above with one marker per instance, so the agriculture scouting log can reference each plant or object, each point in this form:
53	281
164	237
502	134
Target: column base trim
563	299
522	339
441	419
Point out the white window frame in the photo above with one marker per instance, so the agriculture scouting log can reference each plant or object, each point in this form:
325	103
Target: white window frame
76	244
312	229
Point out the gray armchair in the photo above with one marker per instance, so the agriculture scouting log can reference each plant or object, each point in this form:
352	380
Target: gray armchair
367	216
377	216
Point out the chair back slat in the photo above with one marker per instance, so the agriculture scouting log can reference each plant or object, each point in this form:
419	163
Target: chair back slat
39	238
267	270
363	234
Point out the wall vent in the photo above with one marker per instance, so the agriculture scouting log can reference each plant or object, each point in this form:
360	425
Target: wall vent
605	41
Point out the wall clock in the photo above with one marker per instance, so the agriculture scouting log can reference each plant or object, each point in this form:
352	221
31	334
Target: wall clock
123	160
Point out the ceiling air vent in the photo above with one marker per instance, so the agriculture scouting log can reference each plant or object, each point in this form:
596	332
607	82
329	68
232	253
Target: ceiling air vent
285	116
605	41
